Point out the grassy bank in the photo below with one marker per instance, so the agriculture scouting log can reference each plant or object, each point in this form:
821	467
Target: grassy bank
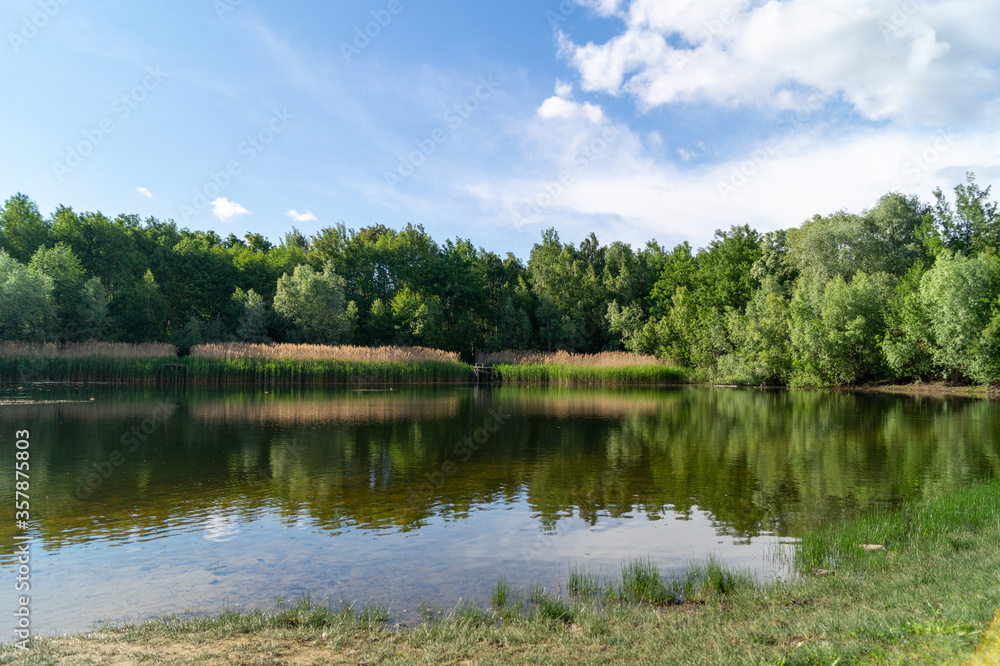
605	369
927	595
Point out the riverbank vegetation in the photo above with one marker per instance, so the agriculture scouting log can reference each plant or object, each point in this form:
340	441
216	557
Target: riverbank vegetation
924	590
606	368
246	363
225	363
904	291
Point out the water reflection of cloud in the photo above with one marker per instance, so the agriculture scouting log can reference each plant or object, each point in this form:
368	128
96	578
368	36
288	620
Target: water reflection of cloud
221	527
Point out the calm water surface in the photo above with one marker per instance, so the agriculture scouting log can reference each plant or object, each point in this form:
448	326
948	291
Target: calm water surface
148	501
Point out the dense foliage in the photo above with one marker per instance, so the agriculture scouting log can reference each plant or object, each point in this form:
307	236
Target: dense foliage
905	290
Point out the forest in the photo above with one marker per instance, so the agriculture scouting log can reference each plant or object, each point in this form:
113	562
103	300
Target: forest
904	291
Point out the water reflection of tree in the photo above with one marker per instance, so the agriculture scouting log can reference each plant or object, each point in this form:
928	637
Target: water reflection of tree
757	462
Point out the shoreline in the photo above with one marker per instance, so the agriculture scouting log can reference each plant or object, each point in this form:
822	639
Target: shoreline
925	590
933	389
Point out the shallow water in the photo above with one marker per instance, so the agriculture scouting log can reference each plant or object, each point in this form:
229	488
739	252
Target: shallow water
146	501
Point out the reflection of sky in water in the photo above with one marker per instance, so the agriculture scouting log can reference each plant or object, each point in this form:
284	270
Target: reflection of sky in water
221	560
243	497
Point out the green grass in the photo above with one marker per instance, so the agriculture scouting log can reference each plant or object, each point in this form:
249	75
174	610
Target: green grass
551	373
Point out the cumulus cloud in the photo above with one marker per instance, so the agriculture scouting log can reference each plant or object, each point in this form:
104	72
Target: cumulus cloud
144	192
560	107
625	191
227	210
302	217
925	61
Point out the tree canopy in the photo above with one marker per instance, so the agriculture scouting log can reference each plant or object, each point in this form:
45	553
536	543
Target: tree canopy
903	290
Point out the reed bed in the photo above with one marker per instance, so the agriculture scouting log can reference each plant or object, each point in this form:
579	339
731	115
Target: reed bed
240	363
291	371
84	361
552	373
240	351
86	349
602	360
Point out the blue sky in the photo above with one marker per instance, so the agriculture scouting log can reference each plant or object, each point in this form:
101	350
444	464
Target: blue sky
635	119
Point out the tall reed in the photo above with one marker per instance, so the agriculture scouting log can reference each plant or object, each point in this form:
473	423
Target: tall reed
84	361
237	363
240	350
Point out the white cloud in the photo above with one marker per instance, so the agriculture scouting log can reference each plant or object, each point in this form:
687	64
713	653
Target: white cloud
628	193
928	61
559	107
563	89
601	7
302	217
226	210
144	192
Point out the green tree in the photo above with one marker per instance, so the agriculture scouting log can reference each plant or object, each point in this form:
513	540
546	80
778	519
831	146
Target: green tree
314	304
836	327
252	324
141	309
907	345
417	319
973	224
22	228
67	275
513	326
92	321
26	304
628	324
959	296
761	339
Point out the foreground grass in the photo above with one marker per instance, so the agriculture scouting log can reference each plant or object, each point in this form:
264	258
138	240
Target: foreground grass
928	595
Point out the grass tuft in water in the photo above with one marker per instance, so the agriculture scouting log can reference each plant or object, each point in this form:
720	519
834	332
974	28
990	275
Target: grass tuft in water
641	582
584	584
503	594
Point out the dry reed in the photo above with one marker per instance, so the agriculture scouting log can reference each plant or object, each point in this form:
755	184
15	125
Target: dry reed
240	351
13	349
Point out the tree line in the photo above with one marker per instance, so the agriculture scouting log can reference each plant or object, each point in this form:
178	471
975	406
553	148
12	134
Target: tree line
905	290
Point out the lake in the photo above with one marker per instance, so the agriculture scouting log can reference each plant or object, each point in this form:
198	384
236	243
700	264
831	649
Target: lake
153	500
